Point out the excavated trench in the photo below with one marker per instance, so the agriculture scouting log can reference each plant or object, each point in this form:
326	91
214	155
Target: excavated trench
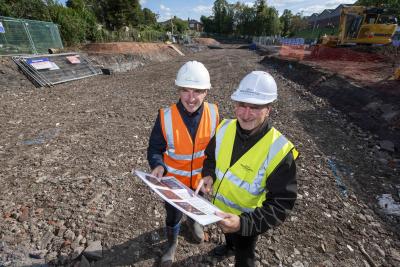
374	108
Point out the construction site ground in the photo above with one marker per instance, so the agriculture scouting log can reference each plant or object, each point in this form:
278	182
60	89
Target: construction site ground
67	195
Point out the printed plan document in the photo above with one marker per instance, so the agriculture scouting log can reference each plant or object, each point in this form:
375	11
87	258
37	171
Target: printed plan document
181	197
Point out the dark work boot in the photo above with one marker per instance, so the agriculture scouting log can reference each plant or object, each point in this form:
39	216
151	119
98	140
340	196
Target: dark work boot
172	236
196	230
224	251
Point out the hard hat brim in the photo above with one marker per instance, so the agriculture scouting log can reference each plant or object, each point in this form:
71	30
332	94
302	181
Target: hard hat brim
251	100
194	86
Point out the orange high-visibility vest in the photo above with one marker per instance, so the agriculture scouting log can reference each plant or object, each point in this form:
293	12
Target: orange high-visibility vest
183	157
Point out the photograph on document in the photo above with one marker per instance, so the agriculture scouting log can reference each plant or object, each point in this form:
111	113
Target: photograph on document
189	208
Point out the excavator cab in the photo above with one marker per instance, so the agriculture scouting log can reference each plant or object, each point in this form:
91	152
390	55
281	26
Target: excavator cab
362	25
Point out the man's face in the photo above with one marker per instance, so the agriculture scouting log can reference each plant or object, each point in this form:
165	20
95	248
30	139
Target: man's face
192	98
251	116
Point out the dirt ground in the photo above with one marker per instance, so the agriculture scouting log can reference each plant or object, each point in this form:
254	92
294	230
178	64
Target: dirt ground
66	154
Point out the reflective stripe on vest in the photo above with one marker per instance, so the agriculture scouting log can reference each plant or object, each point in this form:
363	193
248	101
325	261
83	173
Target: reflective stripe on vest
243	184
184	157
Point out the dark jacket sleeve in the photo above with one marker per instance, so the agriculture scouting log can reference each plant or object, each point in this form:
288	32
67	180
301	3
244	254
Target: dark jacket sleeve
157	146
209	162
281	191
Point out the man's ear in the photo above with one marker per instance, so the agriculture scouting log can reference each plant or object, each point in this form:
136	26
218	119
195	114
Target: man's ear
269	109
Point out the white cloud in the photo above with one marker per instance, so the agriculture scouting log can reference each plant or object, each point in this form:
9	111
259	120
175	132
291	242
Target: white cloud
319	8
165	13
203	9
142	2
164	8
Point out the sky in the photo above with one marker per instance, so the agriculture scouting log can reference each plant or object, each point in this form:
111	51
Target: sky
195	8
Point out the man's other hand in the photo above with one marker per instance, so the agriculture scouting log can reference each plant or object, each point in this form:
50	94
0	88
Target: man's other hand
230	222
158	171
207	185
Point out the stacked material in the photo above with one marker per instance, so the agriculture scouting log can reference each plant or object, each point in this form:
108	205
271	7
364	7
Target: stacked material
48	70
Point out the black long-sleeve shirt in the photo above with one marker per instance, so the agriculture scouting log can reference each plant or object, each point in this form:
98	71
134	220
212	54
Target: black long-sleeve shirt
281	186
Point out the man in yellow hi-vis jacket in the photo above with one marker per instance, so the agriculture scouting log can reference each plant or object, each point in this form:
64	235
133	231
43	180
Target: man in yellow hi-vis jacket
250	170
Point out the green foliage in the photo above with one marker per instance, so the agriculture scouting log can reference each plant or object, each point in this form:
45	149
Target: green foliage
94	20
76	4
27	9
119	13
72	25
208	24
177	25
223	17
286	22
244	19
149	18
240	19
393	5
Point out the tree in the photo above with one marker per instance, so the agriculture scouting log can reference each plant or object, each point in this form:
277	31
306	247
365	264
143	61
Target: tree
244	19
208	24
286	22
273	26
72	25
267	19
150	18
27	9
179	25
223	17
299	23
118	13
76	4
393	5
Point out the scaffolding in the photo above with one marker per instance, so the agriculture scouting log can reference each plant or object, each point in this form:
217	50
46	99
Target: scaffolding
21	36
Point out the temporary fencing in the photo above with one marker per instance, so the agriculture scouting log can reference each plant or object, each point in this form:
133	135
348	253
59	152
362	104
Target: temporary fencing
288	47
48	70
21	36
271	40
130	35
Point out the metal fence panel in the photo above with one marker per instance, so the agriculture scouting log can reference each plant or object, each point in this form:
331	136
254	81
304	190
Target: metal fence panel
28	36
44	35
65	70
14	40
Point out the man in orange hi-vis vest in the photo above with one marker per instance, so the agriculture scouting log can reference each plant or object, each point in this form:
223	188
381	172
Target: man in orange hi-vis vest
176	147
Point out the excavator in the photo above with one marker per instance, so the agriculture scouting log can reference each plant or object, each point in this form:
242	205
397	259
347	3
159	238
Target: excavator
362	25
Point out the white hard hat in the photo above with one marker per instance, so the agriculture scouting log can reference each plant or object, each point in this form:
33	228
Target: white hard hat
194	75
257	87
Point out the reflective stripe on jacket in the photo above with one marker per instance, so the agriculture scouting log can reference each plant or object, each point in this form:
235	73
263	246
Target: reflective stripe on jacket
241	187
183	158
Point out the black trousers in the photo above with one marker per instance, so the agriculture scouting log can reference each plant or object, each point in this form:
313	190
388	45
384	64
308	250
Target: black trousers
244	247
174	215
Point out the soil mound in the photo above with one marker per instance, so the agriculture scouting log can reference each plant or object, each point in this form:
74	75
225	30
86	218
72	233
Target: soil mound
125	56
130	48
206	41
344	54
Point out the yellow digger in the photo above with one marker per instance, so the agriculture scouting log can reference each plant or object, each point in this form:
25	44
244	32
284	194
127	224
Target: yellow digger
362	25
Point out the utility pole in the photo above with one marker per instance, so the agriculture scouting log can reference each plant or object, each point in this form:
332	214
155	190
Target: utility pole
172	26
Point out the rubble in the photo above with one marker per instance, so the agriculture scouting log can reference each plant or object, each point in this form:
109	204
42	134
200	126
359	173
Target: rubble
71	199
